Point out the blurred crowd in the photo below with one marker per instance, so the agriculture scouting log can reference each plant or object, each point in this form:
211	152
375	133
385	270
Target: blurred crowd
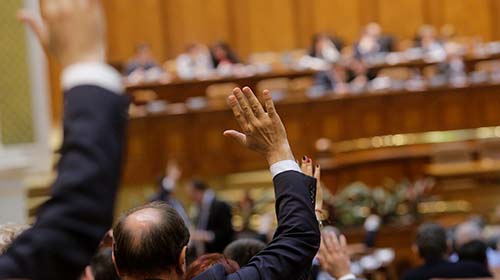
341	68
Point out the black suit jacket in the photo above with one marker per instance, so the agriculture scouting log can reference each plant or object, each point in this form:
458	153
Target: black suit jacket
445	269
297	238
219	222
71	224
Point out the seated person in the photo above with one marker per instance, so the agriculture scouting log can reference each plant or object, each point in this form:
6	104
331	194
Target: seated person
151	241
473	251
428	41
142	61
432	246
209	260
372	42
359	75
335	79
325	47
195	62
101	267
242	250
223	55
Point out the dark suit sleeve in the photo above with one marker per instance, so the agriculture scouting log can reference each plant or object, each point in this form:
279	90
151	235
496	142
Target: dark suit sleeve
297	238
70	225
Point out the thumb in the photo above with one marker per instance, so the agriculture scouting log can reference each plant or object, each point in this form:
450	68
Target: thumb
236	135
36	25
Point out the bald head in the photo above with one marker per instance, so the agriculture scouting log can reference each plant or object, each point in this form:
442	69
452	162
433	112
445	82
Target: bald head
467	232
149	240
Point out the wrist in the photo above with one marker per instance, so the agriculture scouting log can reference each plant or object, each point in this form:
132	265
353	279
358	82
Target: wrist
284	152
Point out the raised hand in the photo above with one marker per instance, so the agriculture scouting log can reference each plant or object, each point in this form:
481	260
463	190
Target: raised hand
261	130
333	255
71	31
173	170
307	168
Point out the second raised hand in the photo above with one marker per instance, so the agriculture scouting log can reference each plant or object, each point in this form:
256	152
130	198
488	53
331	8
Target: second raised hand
261	130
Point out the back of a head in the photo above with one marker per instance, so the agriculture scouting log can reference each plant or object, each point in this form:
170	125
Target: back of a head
149	241
243	250
431	241
8	233
474	251
205	262
102	265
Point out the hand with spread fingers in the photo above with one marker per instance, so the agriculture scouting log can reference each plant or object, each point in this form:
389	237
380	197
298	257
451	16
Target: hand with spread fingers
261	128
333	256
70	31
307	168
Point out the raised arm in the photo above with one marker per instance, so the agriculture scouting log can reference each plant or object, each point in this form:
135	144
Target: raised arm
70	225
297	237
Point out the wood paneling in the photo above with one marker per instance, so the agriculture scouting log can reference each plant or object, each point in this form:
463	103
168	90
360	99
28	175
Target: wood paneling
410	15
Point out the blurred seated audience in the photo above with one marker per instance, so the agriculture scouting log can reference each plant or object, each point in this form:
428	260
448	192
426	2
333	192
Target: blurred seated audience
101	267
427	40
325	47
432	246
8	233
372	42
242	250
359	75
195	62
143	66
207	261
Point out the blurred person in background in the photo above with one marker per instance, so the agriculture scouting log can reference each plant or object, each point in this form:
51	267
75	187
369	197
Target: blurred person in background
335	79
432	246
325	47
213	228
473	251
333	260
222	54
167	185
207	261
427	40
101	267
242	250
142	61
372	42
195	62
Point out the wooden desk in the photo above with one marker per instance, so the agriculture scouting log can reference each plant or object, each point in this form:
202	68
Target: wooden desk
195	138
179	90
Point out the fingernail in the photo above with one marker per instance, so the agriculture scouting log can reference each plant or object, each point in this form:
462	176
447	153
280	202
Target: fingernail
317	166
304	158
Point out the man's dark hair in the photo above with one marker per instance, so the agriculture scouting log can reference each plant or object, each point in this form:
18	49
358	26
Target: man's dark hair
102	265
474	251
243	250
431	241
153	250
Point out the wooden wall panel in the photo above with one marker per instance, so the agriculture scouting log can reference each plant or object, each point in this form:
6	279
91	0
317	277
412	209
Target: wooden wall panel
131	22
409	14
470	18
341	18
190	21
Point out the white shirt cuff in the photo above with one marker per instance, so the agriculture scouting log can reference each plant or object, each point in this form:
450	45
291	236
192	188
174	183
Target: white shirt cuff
348	277
92	73
284	165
